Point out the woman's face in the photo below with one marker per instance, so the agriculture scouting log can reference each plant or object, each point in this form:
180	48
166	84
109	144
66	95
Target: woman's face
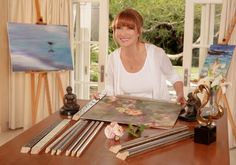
126	36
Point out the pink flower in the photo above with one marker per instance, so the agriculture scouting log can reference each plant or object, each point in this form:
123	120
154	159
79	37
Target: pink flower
114	131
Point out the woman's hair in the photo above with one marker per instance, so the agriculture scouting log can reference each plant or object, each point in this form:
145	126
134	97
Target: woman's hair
129	18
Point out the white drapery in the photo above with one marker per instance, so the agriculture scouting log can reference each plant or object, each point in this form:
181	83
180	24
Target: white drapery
227	17
55	12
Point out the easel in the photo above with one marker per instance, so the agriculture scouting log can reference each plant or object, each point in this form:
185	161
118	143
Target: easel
222	97
42	76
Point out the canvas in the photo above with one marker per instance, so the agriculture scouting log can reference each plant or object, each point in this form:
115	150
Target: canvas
134	110
218	60
39	47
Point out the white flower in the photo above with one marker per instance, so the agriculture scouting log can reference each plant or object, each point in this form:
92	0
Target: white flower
109	132
206	80
215	82
118	130
114	131
224	86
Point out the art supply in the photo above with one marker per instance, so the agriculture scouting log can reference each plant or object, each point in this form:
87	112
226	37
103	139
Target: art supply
146	139
27	147
90	138
71	136
89	105
44	141
48	149
73	145
88	133
154	144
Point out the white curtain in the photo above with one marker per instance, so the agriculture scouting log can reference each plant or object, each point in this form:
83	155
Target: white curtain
228	15
23	11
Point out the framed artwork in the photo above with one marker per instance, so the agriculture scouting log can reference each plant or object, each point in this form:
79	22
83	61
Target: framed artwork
39	47
218	60
134	110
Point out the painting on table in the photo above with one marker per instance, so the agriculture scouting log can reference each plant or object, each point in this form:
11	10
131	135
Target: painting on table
39	47
136	111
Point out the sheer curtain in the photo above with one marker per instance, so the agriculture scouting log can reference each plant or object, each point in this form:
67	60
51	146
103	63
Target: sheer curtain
23	11
227	20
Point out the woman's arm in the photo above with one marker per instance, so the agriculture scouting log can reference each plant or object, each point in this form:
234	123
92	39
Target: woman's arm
178	86
171	75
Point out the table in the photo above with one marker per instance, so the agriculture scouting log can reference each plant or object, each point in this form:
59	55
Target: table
184	152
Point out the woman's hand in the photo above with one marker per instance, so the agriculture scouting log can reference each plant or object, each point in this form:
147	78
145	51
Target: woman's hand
180	99
95	96
178	86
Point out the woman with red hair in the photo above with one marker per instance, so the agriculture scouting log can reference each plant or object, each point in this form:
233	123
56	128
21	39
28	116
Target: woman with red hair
138	68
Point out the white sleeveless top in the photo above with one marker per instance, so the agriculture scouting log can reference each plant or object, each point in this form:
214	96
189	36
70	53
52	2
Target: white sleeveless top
133	83
160	68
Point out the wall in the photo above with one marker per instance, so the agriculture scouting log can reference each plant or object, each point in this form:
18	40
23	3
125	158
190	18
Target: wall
4	67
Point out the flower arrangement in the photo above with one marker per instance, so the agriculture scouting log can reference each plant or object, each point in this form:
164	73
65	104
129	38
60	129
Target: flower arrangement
215	83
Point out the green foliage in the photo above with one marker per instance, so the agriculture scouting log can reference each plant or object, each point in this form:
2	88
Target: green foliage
94	72
135	131
163	21
94	63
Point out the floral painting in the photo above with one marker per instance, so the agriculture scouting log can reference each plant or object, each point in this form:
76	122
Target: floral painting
39	47
133	110
218	60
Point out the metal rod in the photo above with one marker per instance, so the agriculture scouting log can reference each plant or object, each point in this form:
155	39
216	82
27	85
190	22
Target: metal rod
73	145
84	138
88	106
68	139
154	144
27	147
142	140
48	149
90	138
44	141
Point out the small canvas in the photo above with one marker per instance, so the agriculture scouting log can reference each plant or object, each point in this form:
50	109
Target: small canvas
134	110
218	60
39	47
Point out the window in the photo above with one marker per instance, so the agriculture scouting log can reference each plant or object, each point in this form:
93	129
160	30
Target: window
210	10
90	45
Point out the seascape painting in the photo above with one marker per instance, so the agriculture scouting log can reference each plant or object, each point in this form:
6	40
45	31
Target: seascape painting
136	111
217	61
39	47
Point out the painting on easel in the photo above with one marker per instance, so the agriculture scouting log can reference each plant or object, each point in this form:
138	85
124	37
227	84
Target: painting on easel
218	60
134	110
39	47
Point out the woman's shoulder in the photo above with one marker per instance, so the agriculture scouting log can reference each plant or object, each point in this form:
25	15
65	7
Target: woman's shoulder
154	49
113	57
115	53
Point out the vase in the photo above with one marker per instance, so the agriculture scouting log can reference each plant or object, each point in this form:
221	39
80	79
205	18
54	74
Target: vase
213	103
210	110
215	111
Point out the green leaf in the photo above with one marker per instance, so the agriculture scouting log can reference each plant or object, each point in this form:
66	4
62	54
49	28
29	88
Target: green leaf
135	130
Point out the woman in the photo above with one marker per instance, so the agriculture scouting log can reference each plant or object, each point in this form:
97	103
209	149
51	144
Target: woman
137	68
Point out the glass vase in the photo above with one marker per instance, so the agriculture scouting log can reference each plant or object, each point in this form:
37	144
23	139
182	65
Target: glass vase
213	103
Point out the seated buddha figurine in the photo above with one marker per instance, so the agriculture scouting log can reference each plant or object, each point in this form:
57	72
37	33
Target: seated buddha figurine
70	106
